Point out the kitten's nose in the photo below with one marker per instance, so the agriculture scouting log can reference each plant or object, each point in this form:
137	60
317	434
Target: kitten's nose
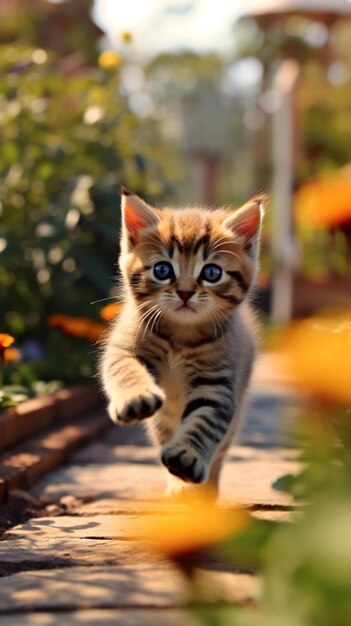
185	295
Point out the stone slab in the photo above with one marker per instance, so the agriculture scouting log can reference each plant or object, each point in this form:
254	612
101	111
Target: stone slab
239	453
112	506
96	527
121	480
48	553
116	527
248	480
109	506
245	480
103	452
104	617
124	435
115	587
267	420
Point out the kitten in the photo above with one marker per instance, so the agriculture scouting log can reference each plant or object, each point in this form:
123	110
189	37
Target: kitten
180	354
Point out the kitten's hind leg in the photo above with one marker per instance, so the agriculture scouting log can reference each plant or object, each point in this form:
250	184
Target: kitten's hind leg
183	461
217	464
184	491
188	493
205	425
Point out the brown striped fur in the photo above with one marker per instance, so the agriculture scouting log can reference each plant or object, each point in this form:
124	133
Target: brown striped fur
184	367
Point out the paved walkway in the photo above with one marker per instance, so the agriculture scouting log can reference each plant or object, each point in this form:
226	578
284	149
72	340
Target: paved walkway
80	563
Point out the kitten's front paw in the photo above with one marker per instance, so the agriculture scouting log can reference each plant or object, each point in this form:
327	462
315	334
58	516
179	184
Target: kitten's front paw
136	405
182	461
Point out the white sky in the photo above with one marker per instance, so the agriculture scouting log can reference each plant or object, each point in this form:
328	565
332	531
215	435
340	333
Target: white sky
158	25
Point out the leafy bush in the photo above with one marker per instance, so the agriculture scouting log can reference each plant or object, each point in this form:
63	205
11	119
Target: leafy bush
68	143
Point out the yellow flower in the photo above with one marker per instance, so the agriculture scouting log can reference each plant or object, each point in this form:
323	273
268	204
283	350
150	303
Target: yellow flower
183	531
110	311
126	36
5	341
109	60
316	353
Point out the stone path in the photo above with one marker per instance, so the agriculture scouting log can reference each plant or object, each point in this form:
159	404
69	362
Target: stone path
81	563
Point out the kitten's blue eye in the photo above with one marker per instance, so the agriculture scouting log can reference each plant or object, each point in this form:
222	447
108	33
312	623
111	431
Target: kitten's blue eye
163	270
211	272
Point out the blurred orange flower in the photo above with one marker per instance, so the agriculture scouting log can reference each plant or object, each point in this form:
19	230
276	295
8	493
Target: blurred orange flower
11	355
183	531
316	353
325	202
77	326
110	311
5	341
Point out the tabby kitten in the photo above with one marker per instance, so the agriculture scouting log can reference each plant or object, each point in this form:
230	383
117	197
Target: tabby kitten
180	354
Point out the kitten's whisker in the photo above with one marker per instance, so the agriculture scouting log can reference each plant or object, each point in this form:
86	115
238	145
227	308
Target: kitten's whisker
215	315
220	245
230	252
156	319
153	244
150	321
215	243
213	320
217	240
151	237
220	324
147	313
144	317
101	338
105	300
145	322
143	304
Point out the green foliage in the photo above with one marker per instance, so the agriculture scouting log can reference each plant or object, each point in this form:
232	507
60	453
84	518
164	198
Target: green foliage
245	549
68	142
304	566
12	395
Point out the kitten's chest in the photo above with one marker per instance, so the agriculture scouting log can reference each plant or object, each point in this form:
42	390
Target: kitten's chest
173	382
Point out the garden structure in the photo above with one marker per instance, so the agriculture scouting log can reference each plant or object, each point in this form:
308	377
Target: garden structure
283	22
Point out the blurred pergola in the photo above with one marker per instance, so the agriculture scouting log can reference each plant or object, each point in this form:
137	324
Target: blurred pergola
267	13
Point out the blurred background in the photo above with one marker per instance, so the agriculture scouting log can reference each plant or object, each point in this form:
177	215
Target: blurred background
183	101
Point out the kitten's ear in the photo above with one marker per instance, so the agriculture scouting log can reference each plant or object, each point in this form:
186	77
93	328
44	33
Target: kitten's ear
136	215
246	221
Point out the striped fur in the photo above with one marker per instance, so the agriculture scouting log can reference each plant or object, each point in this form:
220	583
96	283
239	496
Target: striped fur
184	365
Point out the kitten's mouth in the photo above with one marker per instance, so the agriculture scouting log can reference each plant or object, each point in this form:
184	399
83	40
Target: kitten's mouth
186	307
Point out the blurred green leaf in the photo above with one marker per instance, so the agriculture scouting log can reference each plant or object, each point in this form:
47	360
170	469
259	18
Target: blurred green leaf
245	548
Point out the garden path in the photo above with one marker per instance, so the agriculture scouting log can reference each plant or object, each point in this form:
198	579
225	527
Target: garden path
81	564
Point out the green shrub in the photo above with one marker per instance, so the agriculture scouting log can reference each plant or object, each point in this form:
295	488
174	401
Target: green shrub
68	142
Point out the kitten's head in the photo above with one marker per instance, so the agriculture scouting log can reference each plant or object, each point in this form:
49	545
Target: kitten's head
188	265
